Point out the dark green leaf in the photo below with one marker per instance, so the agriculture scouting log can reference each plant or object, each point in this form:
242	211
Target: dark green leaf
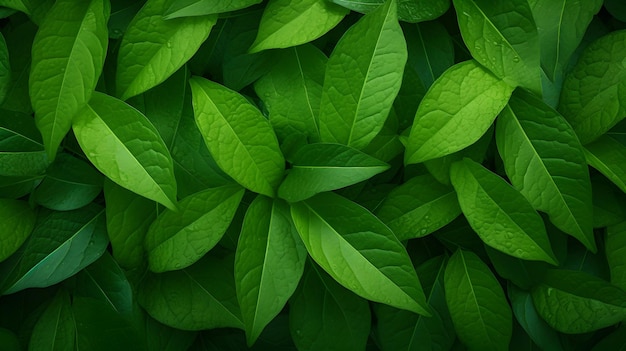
608	156
56	328
616	253
17	221
21	149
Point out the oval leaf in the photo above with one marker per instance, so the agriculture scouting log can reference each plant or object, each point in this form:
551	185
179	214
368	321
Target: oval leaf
479	310
287	23
363	76
68	56
499	214
177	239
269	262
238	136
153	48
324	167
546	163
17	221
456	111
358	251
126	147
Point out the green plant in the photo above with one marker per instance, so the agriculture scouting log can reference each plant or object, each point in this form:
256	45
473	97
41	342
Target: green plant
312	174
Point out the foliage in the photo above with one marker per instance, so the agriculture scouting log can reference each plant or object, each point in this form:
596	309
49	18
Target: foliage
312	175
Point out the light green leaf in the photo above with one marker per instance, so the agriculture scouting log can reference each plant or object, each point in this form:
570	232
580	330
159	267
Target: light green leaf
195	297
358	251
363	76
479	310
575	302
292	91
128	218
593	94
456	111
21	150
240	139
503	37
184	8
287	23
500	215
324	167
323	315
608	156
126	147
69	184
177	239
269	262
62	244
616	253
153	48
68	56
546	163
17	221
561	26
55	329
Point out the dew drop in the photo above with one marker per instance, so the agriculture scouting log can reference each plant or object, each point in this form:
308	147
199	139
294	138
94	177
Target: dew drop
168	44
466	14
516	59
423	231
550	291
298	332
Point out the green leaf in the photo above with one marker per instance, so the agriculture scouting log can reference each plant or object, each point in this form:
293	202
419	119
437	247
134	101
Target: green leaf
126	147
503	37
358	251
456	111
418	207
287	23
68	56
104	280
184	8
159	336
292	91
593	93
21	149
177	239
9	340
615	341
408	10
403	330
324	167
499	214
561	26
574	302
62	244
546	163
323	315
240	139
128	218
17	221
19	42
5	69
195	297
608	156
363	76
479	310
69	184
269	262
153	48
615	250
56	328
430	50
608	202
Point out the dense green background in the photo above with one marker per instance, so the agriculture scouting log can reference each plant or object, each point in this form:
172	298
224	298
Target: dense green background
312	175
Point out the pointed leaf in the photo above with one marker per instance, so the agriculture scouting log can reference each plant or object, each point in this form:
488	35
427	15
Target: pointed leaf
323	315
153	48
269	262
593	94
418	207
195	297
287	23
126	147
479	310
503	37
499	214
363	76
575	302
184	8
56	328
68	56
324	167
358	251
240	139
546	163
62	244
608	156
17	221
457	110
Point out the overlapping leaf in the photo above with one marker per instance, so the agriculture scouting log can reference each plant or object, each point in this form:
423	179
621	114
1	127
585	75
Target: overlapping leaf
608	156
184	8
17	221
21	149
56	328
